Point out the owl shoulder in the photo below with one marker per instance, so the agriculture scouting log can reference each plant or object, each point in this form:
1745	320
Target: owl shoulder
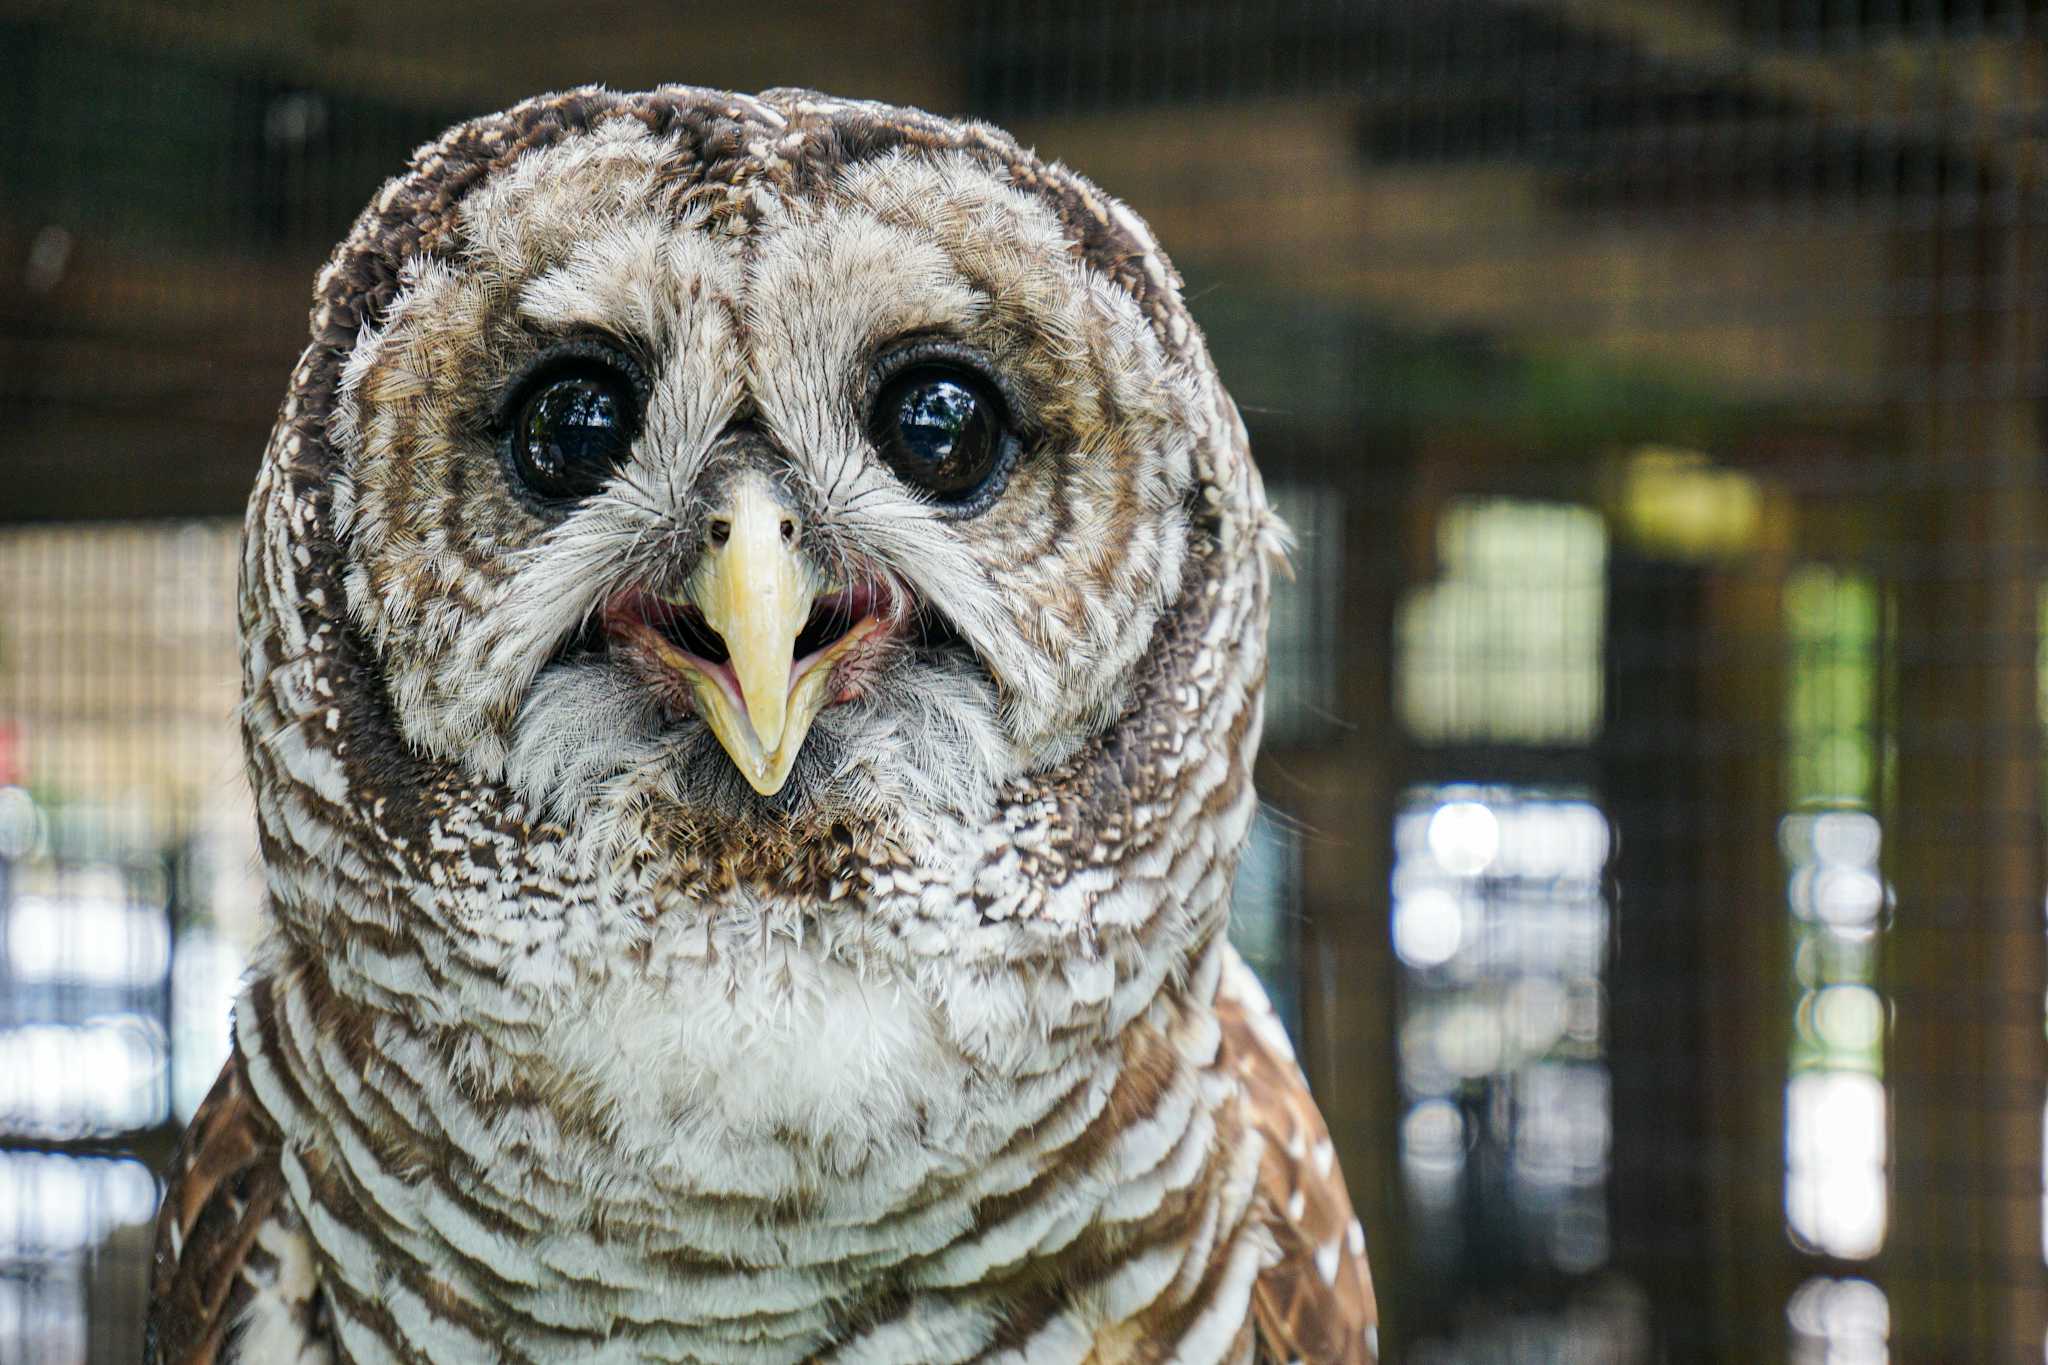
1313	1303
233	1276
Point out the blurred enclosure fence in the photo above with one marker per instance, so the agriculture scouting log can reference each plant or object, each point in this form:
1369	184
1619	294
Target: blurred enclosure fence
1653	863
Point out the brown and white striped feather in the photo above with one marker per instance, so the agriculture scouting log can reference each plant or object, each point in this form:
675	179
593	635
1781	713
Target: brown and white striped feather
1315	1302
232	1278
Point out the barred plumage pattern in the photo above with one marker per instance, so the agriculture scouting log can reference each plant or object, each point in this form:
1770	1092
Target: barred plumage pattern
619	1082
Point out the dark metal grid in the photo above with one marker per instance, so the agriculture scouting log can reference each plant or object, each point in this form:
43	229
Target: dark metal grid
1754	286
123	828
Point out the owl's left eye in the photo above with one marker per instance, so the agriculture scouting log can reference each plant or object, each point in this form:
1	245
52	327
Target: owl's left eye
943	428
572	423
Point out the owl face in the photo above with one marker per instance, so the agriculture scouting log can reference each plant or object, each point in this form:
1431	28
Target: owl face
832	496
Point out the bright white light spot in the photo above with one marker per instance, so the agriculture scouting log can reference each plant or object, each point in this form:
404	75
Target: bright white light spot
1433	1147
206	973
1849	1018
1835	1149
1847	896
1848	837
1464	837
88	939
1468	1039
104	1076
1428	927
1546	840
53	1203
1839	1322
1500	919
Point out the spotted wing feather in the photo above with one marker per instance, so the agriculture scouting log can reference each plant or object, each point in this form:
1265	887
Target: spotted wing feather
232	1277
1314	1303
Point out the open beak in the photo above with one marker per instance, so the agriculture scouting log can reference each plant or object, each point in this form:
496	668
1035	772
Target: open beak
758	591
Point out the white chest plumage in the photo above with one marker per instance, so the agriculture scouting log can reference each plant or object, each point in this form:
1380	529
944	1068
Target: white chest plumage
809	1125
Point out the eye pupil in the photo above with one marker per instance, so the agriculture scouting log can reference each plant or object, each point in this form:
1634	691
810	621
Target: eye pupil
573	431
573	422
940	431
939	422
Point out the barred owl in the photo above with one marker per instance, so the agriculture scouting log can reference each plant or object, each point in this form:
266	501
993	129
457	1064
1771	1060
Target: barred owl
753	626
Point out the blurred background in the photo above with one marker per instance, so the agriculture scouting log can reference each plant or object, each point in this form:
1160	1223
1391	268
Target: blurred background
1652	868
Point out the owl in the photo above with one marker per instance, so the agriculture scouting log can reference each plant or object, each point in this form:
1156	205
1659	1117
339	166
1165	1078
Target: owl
753	633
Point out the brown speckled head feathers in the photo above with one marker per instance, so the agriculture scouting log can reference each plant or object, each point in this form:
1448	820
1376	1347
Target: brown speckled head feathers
572	1041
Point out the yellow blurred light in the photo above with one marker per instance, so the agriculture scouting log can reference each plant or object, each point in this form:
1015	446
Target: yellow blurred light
1680	503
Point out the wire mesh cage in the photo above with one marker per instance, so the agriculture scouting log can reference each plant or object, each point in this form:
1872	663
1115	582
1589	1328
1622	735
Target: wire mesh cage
1652	861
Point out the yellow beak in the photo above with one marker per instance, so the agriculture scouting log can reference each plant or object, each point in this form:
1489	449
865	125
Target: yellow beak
756	591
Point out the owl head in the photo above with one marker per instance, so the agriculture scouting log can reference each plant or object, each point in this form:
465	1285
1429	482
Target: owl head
754	467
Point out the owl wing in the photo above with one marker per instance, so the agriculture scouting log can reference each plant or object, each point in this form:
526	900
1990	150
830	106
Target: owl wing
233	1275
1314	1303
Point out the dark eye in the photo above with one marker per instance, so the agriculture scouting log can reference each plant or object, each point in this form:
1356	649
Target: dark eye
943	429
573	426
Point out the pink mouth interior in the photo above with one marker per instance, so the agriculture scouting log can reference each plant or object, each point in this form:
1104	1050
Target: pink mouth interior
685	630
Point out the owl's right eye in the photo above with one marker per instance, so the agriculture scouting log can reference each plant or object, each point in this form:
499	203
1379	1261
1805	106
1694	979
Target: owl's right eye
572	424
941	423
